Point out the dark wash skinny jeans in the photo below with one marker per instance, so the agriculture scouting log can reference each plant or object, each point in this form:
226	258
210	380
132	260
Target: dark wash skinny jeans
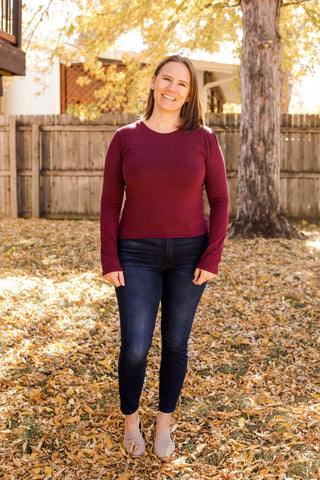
156	270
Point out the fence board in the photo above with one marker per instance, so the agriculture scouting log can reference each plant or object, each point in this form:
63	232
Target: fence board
35	171
24	193
5	201
4	195
13	168
52	165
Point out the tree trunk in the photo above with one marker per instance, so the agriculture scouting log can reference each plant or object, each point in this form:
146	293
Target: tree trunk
259	211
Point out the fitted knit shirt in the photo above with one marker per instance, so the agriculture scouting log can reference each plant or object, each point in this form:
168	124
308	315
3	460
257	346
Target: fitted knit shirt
162	177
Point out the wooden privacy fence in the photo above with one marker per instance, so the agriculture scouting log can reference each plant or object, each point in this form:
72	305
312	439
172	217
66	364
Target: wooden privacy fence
52	166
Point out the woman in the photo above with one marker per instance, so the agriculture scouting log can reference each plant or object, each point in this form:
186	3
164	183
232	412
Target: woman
161	251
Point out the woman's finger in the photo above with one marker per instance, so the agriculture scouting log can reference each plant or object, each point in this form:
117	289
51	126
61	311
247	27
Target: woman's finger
116	278
121	279
196	274
197	277
202	277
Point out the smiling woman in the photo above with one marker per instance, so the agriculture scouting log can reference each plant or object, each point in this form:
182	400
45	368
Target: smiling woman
170	91
161	251
176	79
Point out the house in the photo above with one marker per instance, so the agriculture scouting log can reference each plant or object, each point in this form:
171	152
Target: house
12	58
216	81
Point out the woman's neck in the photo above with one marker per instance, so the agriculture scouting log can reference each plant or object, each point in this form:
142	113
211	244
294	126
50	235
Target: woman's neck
162	122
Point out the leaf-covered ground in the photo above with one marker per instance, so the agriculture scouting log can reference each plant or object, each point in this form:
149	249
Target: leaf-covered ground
250	407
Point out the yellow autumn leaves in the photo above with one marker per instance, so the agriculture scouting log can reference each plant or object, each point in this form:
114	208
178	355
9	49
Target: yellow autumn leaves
250	406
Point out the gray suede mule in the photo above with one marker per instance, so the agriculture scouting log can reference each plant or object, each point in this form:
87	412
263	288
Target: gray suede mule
134	443
164	445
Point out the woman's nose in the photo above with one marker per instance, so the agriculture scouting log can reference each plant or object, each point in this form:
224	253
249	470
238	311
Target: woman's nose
172	86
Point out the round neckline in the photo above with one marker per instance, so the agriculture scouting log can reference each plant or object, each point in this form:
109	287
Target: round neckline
159	133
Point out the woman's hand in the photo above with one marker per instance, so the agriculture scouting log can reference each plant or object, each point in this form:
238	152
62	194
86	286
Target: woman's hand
201	276
117	278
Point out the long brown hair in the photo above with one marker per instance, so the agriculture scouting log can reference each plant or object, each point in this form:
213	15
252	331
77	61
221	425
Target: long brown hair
191	111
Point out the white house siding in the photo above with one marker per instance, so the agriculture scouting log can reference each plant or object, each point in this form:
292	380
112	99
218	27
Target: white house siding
21	96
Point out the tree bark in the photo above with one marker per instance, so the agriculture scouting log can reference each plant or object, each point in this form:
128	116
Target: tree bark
259	210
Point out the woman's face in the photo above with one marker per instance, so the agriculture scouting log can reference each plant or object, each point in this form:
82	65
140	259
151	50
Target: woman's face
171	87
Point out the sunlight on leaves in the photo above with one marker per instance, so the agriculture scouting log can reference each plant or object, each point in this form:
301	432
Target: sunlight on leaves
250	406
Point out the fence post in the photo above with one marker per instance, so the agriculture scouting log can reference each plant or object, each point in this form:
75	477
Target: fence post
35	171
13	167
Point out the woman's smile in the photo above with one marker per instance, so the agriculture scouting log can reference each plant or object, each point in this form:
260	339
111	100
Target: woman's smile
171	87
169	98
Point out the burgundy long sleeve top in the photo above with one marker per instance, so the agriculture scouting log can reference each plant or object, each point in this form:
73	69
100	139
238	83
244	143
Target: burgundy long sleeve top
163	176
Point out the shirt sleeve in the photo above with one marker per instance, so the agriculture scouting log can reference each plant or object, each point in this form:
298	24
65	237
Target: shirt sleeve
111	202
217	192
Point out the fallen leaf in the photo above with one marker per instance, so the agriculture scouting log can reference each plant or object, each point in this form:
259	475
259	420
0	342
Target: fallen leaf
249	407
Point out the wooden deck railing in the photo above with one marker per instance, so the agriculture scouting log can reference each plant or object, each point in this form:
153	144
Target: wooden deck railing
10	21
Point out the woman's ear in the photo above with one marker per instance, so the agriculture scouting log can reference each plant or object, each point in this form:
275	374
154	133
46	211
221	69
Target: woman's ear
152	82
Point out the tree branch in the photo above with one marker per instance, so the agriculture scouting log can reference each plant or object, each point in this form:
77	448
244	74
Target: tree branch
42	14
311	17
297	2
223	4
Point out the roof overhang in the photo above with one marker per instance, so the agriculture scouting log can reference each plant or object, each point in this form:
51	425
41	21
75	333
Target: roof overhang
225	74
